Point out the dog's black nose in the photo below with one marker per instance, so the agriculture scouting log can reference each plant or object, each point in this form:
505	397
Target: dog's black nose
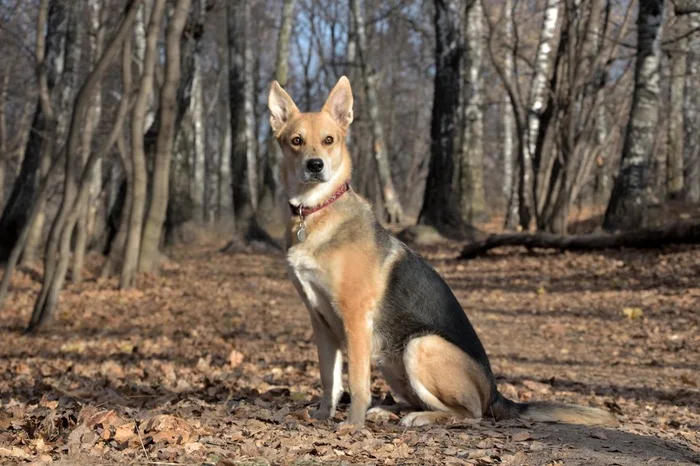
314	165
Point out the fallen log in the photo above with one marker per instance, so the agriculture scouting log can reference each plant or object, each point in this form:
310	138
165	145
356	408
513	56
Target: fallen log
680	233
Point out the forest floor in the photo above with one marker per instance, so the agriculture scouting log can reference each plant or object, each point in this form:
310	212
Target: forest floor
212	362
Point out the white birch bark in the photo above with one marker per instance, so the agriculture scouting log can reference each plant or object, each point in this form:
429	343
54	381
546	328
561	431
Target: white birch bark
248	104
473	202
536	106
629	198
197	110
225	201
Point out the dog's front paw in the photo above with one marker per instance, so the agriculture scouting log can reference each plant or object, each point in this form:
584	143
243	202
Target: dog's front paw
321	414
349	426
356	419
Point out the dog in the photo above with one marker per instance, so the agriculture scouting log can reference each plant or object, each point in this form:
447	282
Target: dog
367	291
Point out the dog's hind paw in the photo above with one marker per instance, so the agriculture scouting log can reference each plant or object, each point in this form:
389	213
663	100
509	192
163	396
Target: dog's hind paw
383	413
425	418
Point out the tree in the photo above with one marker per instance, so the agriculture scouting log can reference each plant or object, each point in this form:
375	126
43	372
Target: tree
76	186
199	136
139	175
244	143
440	206
50	58
510	167
393	212
153	226
627	207
473	202
86	223
674	160
691	113
268	207
537	99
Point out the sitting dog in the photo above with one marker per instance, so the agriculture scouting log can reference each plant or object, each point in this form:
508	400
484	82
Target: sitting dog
368	291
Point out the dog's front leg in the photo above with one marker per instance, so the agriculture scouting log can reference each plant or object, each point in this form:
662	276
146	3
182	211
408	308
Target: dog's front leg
330	360
359	342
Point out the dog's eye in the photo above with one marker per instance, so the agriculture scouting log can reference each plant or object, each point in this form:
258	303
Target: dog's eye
328	140
296	141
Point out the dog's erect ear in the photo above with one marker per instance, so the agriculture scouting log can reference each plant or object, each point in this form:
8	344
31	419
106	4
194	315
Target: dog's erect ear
339	103
282	107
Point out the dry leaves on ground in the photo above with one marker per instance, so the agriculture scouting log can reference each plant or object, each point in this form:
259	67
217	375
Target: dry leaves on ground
213	363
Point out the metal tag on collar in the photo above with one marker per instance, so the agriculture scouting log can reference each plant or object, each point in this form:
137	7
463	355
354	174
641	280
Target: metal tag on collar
301	232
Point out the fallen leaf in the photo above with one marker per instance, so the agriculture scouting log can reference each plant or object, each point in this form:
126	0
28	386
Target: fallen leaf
14	452
632	312
521	436
235	358
168	428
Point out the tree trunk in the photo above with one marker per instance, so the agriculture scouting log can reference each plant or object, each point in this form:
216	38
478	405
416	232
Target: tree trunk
53	15
4	149
197	111
86	221
139	174
224	201
116	244
681	233
268	207
691	114
251	155
76	185
628	202
674	160
440	206
473	201
393	212
510	160
153	226
242	205
536	109
65	98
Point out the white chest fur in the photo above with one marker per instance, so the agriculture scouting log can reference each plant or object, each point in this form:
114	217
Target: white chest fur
313	286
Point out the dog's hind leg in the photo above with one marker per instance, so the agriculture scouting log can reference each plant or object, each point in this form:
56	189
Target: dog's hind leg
446	379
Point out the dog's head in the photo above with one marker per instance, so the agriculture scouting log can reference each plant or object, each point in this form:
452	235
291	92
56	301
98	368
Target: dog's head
316	159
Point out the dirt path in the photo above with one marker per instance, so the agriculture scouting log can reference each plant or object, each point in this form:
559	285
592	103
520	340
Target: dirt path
213	362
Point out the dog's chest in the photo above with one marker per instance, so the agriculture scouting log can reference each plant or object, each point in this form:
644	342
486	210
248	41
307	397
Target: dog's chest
313	286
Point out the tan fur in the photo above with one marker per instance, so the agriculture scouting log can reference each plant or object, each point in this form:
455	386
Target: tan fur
464	393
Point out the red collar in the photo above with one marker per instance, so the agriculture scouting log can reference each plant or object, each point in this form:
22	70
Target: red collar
306	211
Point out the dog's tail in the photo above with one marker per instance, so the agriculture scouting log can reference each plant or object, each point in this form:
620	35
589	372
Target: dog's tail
542	411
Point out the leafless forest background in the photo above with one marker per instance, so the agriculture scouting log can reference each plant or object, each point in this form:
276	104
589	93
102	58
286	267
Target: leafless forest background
141	211
127	125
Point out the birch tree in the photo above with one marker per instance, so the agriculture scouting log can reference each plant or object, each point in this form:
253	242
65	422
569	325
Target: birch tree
628	201
197	111
510	165
473	202
542	70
